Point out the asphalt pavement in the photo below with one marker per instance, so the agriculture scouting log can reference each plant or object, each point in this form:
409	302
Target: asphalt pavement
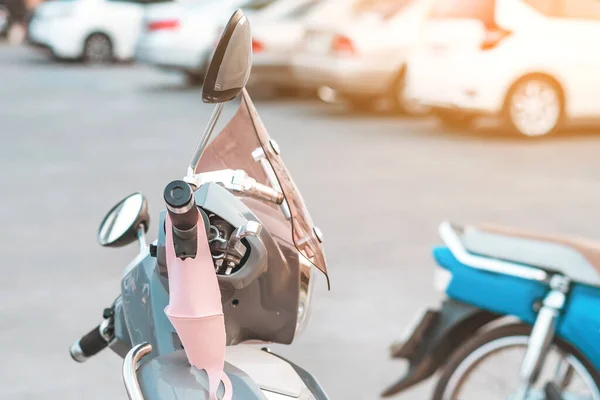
75	140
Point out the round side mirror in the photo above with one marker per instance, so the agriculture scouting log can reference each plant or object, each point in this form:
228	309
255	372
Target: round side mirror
121	224
230	66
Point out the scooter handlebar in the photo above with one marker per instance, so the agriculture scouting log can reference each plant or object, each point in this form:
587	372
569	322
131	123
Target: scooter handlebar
181	205
90	344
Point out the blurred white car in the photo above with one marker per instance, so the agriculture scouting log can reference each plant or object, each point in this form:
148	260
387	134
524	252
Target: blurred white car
533	62
276	33
181	36
97	31
363	58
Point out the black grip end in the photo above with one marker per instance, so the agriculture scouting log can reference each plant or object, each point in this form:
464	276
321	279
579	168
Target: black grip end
178	194
181	205
92	343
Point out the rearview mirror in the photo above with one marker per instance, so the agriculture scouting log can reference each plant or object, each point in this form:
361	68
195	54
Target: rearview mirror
231	62
123	222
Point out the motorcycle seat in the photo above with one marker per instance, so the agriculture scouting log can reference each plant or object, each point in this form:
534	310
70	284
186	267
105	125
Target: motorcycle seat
576	258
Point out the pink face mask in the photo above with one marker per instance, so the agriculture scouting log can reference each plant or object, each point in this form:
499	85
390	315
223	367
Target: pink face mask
195	309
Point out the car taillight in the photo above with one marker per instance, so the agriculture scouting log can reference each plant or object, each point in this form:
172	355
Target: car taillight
257	46
342	45
167	24
493	37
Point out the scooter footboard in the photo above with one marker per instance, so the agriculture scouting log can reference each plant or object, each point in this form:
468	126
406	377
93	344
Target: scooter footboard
254	374
170	377
434	339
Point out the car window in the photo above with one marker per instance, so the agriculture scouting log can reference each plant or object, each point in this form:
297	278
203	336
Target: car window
578	9
301	10
482	10
383	8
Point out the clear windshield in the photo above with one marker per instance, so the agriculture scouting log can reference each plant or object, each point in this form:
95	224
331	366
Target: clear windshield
235	147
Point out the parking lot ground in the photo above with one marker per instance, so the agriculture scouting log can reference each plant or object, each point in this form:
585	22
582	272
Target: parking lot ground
75	140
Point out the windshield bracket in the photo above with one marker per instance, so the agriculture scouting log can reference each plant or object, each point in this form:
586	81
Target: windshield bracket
238	182
259	156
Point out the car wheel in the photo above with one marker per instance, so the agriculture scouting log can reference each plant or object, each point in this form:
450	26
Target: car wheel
193	78
454	119
534	107
405	104
98	49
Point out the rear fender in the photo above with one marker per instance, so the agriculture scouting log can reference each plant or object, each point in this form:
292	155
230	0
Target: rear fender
432	342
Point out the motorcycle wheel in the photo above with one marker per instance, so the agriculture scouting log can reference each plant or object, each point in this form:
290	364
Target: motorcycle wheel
474	357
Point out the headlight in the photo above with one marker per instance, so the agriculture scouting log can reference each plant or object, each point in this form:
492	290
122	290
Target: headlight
308	276
441	279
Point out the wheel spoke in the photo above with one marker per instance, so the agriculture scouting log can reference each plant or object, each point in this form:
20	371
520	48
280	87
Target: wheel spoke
535	108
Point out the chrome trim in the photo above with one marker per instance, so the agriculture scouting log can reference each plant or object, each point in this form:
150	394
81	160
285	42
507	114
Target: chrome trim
560	283
307	281
220	240
76	352
104	331
141	235
130	370
259	156
318	234
542	334
275	147
214	117
537	349
238	182
452	240
182	210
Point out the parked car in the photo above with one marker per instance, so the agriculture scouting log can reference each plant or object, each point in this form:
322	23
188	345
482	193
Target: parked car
535	63
276	32
96	31
4	19
181	36
13	16
363	58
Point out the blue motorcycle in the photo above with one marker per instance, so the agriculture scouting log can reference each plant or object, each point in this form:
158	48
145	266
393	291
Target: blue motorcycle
520	321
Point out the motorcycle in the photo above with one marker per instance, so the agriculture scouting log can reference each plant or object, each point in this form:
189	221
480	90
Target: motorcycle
519	320
235	262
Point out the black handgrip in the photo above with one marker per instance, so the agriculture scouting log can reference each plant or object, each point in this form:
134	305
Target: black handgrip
181	205
89	345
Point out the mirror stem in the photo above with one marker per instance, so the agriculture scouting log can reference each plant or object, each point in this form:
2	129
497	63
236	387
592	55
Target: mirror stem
141	235
203	142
